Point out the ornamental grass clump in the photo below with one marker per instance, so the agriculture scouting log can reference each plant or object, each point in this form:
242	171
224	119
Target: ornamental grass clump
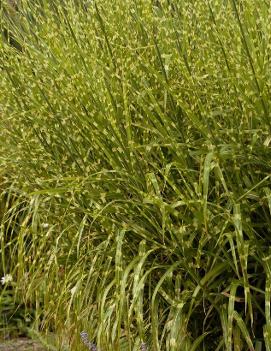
135	146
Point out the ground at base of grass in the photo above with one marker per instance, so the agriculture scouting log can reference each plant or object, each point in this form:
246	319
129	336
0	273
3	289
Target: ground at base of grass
21	344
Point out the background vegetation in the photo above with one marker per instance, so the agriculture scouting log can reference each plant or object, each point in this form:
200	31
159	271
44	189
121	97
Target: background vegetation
135	171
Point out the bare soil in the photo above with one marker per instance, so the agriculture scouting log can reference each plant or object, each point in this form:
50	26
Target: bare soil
21	344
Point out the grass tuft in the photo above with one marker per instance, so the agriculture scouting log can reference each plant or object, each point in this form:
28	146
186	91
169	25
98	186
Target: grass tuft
135	171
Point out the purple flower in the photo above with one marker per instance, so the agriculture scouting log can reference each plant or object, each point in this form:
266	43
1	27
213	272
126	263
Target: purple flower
143	347
90	345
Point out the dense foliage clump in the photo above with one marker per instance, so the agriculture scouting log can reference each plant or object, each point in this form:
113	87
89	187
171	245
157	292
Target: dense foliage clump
135	170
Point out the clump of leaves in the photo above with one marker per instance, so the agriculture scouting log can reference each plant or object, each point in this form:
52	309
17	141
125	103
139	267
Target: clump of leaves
16	317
